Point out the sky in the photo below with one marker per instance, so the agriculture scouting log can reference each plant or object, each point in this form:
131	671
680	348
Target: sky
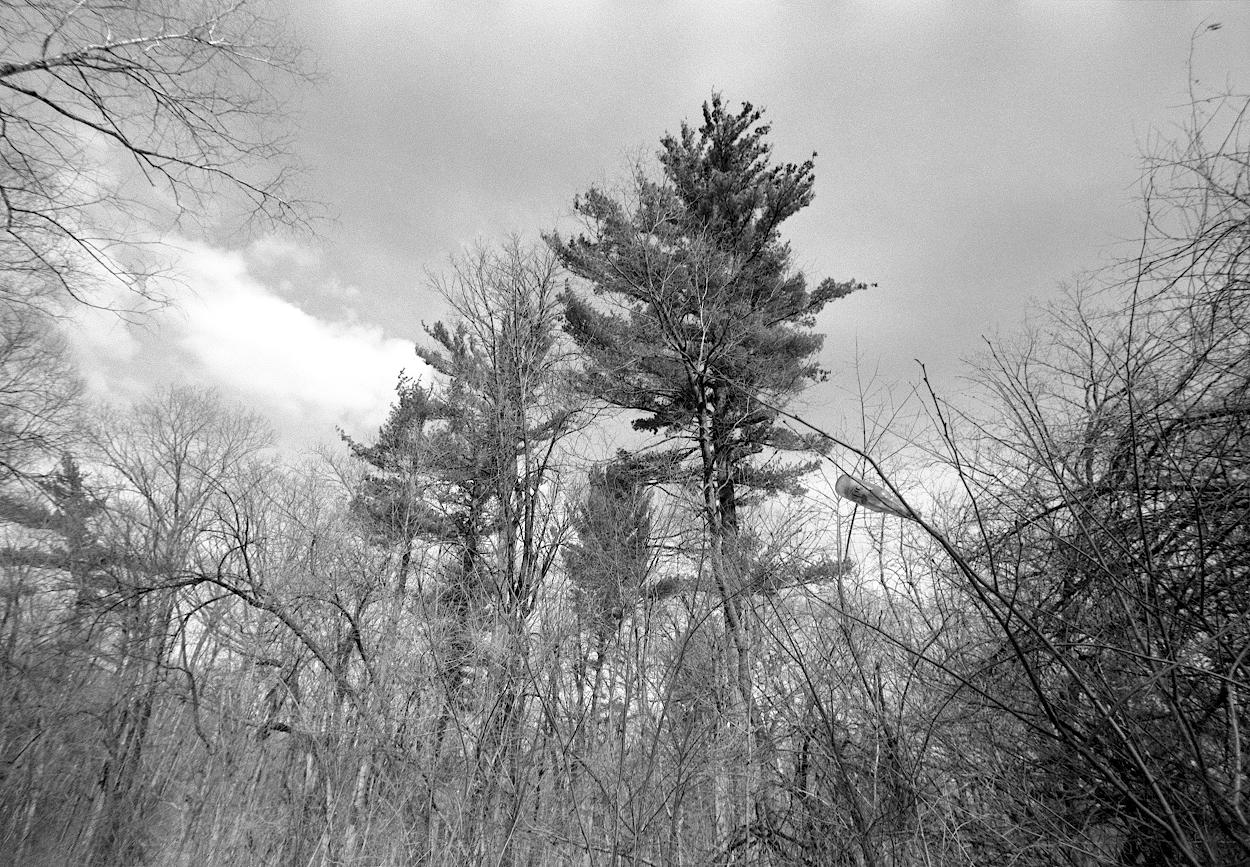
972	157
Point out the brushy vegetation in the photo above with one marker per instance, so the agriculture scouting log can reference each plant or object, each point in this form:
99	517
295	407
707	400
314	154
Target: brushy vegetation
479	638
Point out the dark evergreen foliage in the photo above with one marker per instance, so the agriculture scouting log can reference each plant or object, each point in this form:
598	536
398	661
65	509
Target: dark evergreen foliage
701	325
613	555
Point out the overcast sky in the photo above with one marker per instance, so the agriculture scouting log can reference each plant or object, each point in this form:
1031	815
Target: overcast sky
972	157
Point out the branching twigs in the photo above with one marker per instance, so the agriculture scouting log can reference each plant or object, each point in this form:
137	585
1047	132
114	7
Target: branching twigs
181	89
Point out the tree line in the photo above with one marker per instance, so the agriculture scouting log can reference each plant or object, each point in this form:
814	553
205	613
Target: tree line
585	596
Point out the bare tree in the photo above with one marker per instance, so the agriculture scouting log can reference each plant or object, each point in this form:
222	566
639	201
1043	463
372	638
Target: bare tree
119	116
1105	533
38	392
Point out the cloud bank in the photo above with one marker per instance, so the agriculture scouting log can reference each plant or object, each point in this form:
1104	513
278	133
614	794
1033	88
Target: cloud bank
231	330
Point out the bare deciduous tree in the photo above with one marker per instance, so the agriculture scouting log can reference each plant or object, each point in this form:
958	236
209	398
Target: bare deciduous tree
116	117
1110	501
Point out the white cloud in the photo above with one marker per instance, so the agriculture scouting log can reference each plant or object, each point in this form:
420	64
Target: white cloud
232	332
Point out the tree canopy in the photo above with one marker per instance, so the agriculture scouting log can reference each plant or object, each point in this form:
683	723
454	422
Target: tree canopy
697	320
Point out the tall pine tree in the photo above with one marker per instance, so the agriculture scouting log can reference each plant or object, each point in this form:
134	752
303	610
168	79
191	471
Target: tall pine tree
701	325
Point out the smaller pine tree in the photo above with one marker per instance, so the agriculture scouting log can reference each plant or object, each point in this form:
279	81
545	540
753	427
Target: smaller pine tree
612	556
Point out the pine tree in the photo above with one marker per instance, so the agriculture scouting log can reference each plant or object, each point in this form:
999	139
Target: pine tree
423	481
701	325
469	460
612	556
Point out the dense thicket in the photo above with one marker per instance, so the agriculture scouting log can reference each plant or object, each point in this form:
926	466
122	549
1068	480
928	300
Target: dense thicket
485	635
1113	502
